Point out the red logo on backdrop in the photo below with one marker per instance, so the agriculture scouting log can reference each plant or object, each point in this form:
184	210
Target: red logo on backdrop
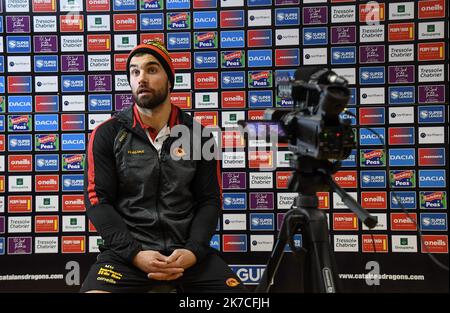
98	43
91	227
283	179
71	23
20	163
371	12
255	115
346	179
232	139
345	221
431	51
206	118
44	183
2	142
373	199
324	200
98	5
401	32
120	62
428	157
233	99
73	244
44	5
431	9
146	38
260	159
73	203
183	100
401	221
435	243
46	224
19	204
206	80
2	183
381	243
181	60
125	22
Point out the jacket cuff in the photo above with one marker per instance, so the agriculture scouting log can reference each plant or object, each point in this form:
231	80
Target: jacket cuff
199	251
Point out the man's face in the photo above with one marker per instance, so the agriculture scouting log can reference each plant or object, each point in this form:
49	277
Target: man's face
149	81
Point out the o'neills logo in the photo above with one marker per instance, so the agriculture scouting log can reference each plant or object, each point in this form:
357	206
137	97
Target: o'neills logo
346	179
431	9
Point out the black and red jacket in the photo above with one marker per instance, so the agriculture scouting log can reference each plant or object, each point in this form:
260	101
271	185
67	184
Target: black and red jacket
140	200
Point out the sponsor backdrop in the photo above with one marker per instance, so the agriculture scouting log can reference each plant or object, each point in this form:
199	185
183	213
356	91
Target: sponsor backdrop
62	72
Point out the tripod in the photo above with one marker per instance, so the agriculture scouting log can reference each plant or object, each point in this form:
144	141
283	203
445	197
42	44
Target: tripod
310	176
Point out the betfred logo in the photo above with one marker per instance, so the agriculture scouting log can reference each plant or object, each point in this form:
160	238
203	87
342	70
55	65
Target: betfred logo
283	179
431	51
206	118
206	80
73	203
379	242
20	163
98	5
373	200
45	183
372	12
401	32
260	159
19	204
232	139
120	62
44	5
345	221
125	22
233	99
73	244
183	100
71	23
97	43
434	244
46	224
146	38
181	60
431	9
401	221
324	200
346	179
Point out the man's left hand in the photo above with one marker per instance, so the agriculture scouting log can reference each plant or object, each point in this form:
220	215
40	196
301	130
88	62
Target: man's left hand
182	258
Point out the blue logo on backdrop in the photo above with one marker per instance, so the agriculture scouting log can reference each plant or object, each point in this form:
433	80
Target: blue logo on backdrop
298	242
73	83
373	179
343	55
20	104
73	182
73	142
350	161
234	201
402	157
2	64
367	138
152	21
178	4
372	75
233	79
346	116
260	99
432	114
259	58
262	221
232	39
254	3
215	242
432	178
405	198
46	122
20	143
352	100
205	19
125	5
207	59
179	41
287	16
433	221
315	36
46	162
18	44
100	102
402	95
45	63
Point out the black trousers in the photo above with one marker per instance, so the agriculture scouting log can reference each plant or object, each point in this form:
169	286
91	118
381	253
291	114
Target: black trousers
111	273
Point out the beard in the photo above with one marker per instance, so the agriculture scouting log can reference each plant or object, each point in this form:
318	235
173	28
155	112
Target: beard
153	99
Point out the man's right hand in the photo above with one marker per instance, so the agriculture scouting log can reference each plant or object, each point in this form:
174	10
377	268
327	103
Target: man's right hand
155	265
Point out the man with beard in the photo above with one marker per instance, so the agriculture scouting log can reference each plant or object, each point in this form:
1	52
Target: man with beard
155	213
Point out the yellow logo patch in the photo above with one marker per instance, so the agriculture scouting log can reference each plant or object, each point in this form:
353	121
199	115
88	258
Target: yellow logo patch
232	282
